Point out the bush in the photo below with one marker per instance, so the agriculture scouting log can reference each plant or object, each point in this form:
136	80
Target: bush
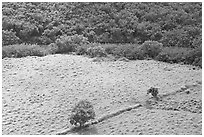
82	113
23	50
96	51
81	50
136	53
197	42
194	57
51	48
123	50
173	54
43	40
163	57
151	48
70	43
109	48
177	38
198	62
9	38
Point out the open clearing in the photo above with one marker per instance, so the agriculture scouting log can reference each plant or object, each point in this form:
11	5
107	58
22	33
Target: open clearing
39	92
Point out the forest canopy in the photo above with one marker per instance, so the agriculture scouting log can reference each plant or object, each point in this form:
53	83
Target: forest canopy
172	24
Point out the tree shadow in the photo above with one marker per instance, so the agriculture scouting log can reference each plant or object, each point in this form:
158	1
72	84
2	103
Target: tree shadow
89	130
151	102
148	105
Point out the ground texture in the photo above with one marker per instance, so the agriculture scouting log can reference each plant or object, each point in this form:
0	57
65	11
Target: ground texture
39	92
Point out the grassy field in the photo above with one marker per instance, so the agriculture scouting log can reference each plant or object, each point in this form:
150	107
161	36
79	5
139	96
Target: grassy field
38	94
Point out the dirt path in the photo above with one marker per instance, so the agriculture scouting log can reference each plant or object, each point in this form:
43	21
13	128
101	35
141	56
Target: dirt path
39	92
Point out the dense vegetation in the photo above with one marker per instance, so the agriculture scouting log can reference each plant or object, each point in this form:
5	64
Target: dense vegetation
71	26
82	112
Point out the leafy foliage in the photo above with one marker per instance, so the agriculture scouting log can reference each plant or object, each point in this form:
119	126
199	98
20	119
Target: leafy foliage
51	48
9	37
151	48
172	24
194	57
179	54
70	43
136	53
154	91
96	51
173	54
123	50
23	50
82	113
118	27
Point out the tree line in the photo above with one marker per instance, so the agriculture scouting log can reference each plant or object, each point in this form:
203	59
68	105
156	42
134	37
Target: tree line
42	23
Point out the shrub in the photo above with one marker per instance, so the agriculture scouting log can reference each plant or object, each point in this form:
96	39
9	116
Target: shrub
136	53
70	43
173	54
176	37
151	48
51	48
163	57
43	40
198	62
9	38
109	48
81	50
197	42
194	57
23	50
123	50
96	51
82	113
154	91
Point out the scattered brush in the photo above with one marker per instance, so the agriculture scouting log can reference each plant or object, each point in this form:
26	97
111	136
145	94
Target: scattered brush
82	113
153	91
23	50
97	51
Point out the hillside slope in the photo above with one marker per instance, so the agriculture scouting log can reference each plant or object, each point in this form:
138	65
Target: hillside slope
39	92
